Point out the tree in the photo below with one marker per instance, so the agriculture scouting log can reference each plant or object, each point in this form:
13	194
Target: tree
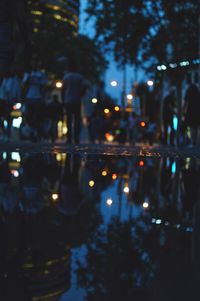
118	27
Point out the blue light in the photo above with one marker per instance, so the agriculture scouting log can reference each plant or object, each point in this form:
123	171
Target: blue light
175	123
174	168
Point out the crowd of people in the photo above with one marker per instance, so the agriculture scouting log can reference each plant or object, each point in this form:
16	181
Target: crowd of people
189	121
42	109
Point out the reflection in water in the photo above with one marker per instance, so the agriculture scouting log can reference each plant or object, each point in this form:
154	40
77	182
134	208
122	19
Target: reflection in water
101	228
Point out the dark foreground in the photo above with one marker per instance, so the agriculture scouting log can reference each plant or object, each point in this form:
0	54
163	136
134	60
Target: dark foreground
88	226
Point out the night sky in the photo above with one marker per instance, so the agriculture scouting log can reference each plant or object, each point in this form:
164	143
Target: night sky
112	73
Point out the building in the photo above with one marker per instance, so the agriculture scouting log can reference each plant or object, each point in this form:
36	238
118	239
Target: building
47	12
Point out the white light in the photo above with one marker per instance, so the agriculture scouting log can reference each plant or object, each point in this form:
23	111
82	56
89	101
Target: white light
59	84
109	202
173	65
4	156
91	183
15	157
94	100
150	83
158	222
189	229
126	189
184	63
159	68
5	123
130	97
167	224
55	196
145	205
15	173
18	106
153	220
114	83
163	67
17	122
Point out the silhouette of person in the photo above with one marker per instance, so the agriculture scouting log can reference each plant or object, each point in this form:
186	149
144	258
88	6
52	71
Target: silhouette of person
168	114
12	12
74	88
192	108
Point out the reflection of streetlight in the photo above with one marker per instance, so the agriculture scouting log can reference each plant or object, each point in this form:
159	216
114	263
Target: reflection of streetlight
94	100
59	84
150	83
114	83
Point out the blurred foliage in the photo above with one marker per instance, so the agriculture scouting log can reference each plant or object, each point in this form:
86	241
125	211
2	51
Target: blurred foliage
139	31
57	44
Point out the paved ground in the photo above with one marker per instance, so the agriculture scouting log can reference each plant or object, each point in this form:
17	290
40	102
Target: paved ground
101	149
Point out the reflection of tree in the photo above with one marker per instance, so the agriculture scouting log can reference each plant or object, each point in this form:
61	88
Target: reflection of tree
117	266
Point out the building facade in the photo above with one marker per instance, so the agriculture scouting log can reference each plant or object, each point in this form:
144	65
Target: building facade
63	12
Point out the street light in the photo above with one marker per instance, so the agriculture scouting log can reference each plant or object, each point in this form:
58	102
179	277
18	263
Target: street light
150	83
106	111
59	84
94	100
114	83
109	202
130	97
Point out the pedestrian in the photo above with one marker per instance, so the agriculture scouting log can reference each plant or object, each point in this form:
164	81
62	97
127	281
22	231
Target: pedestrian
34	86
55	114
12	13
192	111
169	110
12	96
133	128
74	88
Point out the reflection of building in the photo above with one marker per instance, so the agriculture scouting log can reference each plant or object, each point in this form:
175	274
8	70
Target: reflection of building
61	11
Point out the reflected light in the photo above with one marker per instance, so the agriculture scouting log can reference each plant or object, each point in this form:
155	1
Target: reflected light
109	202
91	183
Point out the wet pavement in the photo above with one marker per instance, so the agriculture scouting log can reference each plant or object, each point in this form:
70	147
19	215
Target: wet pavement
77	223
102	149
